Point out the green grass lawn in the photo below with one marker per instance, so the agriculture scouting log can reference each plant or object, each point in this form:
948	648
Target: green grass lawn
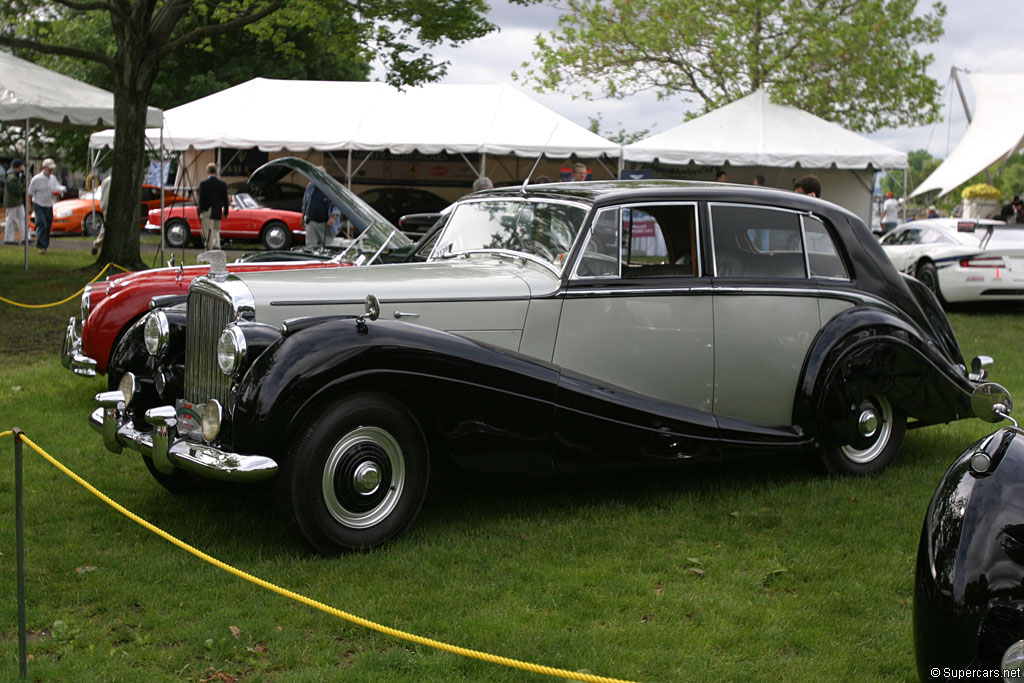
751	569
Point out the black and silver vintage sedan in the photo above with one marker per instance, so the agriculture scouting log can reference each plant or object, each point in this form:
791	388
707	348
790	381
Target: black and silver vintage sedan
554	327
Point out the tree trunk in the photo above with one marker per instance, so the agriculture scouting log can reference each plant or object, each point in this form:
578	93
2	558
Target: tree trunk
133	80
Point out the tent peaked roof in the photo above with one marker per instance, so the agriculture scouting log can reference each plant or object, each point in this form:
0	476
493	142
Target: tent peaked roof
276	115
29	91
996	132
753	131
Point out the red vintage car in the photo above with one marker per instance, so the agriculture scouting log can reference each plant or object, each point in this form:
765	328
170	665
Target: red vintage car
109	307
247	220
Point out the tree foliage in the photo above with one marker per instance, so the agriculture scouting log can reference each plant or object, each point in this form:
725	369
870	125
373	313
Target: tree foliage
167	52
852	62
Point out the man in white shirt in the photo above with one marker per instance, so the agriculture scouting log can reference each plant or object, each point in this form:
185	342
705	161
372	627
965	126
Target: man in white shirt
890	213
43	190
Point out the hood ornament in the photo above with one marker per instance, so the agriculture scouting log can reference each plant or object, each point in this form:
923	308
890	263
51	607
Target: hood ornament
218	263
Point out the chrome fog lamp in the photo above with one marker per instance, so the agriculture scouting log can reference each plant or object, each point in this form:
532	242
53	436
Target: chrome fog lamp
86	303
156	332
230	349
1013	660
127	387
211	419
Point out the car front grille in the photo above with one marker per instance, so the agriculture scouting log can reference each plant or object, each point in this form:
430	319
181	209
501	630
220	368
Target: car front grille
208	314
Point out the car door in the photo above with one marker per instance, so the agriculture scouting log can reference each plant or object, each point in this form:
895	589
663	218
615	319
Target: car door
767	263
902	246
637	313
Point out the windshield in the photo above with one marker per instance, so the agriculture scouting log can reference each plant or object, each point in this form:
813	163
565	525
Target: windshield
544	229
371	242
243	200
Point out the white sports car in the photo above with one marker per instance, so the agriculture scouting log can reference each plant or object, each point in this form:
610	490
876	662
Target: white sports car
961	260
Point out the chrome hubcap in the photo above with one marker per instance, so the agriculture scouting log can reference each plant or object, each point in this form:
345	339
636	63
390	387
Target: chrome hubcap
363	478
874	427
366	478
868	423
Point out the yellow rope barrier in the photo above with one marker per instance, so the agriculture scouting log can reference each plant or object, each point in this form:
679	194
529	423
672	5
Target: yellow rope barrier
366	623
64	301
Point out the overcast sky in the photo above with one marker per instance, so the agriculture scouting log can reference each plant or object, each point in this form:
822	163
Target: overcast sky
980	35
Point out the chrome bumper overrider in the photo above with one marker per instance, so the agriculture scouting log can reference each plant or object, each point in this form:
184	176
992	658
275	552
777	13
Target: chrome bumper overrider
71	355
166	450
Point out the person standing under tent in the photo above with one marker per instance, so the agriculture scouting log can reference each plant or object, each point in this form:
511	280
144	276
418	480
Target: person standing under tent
43	190
213	206
15	227
890	213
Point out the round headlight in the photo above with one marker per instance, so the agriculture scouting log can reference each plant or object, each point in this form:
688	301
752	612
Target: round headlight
1013	660
230	349
156	332
211	419
86	303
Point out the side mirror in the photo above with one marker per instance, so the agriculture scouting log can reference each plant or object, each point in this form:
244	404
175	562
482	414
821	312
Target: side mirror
992	403
372	307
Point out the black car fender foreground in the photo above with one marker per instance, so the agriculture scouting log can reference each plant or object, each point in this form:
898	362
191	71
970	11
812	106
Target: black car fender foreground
969	584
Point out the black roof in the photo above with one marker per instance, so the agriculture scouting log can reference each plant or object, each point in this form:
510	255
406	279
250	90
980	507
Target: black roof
616	191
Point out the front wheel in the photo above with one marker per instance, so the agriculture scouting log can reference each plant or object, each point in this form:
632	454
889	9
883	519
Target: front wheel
92	224
879	427
176	234
356	477
177	482
276	236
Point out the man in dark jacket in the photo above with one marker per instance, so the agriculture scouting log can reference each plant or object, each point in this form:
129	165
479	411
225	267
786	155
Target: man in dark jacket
213	206
14	203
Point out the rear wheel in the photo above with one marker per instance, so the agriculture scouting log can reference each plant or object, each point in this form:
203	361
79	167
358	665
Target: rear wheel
92	224
356	477
928	274
276	236
176	233
880	428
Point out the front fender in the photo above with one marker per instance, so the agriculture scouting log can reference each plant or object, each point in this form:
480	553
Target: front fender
474	399
969	583
866	351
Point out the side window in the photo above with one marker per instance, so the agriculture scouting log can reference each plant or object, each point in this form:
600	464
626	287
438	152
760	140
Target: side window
823	259
601	255
756	242
659	240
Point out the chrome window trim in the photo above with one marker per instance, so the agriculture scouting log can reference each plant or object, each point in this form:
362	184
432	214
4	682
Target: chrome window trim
586	242
695	205
434	256
711	228
807	257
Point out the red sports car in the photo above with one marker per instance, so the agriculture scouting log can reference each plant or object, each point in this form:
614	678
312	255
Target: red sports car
246	220
83	214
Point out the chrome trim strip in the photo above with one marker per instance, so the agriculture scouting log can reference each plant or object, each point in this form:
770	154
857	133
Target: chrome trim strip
204	460
360	302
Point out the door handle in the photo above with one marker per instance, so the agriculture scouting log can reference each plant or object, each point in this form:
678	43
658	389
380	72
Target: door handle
400	314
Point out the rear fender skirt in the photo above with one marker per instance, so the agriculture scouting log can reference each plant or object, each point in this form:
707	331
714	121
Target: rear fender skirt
862	352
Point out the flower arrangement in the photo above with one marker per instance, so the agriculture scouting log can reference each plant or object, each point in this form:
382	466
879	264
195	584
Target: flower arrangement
980	191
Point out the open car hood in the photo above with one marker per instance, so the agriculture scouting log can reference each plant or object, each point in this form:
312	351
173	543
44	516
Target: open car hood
358	212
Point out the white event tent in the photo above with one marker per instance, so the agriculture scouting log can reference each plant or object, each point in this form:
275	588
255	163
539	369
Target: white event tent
754	136
995	134
29	92
363	117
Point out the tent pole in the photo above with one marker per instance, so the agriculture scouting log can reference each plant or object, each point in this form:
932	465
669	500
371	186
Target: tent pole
348	169
622	160
26	231
163	181
483	164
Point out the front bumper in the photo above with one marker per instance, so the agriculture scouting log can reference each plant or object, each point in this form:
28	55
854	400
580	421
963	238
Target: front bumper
71	355
169	452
